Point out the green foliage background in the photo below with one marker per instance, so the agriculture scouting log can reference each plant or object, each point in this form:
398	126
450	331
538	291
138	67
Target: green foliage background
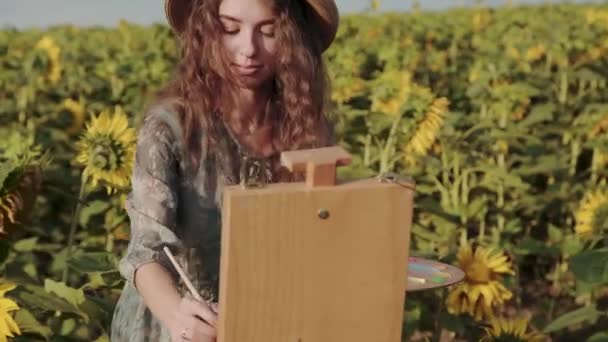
523	141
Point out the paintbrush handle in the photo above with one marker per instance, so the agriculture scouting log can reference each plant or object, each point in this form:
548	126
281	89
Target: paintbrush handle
179	270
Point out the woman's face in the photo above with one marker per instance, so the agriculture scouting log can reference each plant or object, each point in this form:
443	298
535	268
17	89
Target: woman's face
249	40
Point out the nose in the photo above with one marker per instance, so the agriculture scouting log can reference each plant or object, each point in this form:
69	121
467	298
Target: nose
248	46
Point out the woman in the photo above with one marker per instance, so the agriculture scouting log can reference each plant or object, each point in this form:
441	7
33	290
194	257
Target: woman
250	84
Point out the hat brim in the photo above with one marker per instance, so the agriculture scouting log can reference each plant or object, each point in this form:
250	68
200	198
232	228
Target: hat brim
324	14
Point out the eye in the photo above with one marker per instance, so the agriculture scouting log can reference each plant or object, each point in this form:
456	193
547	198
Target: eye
268	31
230	29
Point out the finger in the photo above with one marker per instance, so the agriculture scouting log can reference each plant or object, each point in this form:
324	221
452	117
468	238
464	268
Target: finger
205	331
207	339
203	311
200	330
187	333
187	327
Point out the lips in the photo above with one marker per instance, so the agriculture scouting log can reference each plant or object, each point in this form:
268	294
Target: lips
246	69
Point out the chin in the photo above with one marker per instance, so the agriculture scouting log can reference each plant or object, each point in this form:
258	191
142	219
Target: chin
253	83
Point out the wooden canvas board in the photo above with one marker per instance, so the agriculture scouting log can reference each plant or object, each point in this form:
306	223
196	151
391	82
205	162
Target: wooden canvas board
289	276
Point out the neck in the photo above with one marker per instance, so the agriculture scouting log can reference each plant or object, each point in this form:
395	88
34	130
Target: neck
250	105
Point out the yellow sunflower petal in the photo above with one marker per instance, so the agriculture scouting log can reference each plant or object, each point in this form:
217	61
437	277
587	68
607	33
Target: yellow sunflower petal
5	287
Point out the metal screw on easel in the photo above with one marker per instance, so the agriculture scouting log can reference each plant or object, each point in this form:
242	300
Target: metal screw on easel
323	214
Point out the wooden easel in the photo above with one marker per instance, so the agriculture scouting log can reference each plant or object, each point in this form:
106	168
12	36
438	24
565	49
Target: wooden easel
318	261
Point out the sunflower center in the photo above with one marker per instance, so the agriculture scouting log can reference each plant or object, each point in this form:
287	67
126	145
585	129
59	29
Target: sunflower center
106	155
478	272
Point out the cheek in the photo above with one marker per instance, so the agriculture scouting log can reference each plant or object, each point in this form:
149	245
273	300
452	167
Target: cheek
230	45
270	52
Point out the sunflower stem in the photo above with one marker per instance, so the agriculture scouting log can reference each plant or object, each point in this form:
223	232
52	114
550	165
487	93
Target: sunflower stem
482	230
367	152
445	165
551	309
389	147
109	241
73	225
500	203
594	243
438	312
575	151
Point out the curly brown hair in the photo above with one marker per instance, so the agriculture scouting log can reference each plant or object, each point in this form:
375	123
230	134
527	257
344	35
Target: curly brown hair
299	101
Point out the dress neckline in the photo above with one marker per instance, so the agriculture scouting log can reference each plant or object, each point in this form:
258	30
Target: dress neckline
244	151
252	167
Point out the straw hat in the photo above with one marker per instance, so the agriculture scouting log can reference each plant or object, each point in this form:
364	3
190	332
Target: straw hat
324	14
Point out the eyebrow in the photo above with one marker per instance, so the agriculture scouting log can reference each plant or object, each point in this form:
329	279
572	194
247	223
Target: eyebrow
263	22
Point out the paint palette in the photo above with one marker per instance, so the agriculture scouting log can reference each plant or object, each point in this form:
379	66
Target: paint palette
424	274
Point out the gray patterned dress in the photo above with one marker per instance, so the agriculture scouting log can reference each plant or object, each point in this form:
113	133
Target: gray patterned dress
168	206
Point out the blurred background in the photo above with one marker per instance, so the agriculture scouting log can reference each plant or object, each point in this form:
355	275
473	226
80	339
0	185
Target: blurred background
42	13
497	109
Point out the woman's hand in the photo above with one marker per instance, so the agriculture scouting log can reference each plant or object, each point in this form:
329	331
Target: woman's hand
193	321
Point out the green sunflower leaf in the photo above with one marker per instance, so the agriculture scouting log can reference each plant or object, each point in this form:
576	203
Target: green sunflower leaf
28	323
584	314
591	266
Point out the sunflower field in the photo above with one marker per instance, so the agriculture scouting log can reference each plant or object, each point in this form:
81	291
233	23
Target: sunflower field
500	115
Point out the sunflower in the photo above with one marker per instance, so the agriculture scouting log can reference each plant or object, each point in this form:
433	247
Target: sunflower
53	52
535	52
592	215
510	330
107	149
426	131
347	88
16	203
8	326
392	93
600	158
482	289
21	164
593	16
77	112
481	18
601	126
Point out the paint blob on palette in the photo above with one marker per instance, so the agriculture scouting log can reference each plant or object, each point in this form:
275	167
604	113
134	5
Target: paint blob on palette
424	274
